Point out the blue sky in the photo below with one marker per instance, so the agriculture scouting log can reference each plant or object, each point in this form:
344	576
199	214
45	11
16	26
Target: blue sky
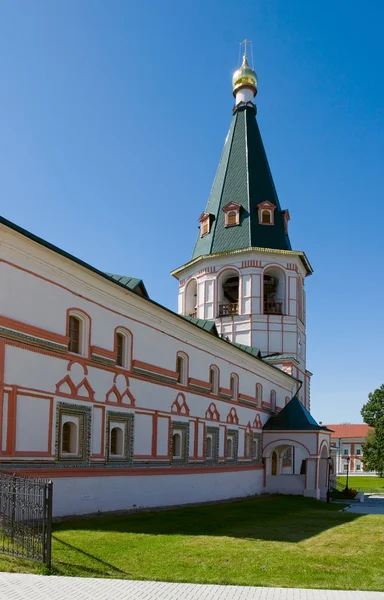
113	116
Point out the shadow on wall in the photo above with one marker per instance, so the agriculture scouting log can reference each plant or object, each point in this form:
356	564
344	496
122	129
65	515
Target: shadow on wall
277	518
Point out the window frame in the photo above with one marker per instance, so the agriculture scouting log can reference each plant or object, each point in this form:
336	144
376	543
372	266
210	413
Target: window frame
84	331
234	386
127	346
182	368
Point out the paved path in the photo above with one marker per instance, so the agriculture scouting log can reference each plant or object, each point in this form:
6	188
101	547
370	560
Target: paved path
373	505
37	587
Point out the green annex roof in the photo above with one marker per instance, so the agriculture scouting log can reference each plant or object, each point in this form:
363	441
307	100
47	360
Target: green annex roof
132	283
249	349
278	357
209	326
294	416
244	177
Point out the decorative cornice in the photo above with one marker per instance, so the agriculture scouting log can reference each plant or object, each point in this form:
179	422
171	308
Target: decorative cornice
199	259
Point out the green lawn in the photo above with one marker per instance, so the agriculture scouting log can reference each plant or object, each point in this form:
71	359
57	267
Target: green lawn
270	541
362	483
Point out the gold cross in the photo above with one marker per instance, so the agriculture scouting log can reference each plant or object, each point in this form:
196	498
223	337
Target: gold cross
244	43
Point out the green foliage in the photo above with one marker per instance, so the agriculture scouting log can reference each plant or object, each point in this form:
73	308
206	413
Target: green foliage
373	410
276	541
373	414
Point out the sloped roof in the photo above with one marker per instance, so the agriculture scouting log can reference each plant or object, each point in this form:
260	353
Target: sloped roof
279	358
131	283
249	349
209	326
294	416
244	177
350	431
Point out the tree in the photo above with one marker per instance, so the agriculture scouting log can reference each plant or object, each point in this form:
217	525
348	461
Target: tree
373	415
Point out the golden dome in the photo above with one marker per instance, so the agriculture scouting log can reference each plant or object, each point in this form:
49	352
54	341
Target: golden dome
244	77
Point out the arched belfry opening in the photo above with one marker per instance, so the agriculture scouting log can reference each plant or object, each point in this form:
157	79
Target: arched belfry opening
191	299
274	292
228	294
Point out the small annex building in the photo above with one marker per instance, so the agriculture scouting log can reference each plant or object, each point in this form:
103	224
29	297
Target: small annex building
124	403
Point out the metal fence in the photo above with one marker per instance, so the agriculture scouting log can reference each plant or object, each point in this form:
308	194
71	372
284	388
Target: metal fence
26	517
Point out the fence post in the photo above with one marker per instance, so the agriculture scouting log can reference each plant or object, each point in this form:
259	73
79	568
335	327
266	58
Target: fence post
48	553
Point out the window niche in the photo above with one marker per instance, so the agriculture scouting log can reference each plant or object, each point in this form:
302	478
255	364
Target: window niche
73	431
257	448
231	445
179	442
119	437
212	445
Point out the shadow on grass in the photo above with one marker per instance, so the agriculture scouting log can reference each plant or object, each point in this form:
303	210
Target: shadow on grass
271	518
106	569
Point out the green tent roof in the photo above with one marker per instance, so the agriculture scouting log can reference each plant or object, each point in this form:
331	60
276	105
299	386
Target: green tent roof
244	177
294	416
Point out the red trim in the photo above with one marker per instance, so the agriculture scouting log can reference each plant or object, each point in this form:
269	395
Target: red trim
33	331
133	472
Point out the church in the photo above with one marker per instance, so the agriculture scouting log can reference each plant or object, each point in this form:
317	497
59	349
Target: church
126	404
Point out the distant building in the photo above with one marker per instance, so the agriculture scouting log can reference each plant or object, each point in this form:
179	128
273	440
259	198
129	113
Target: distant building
348	440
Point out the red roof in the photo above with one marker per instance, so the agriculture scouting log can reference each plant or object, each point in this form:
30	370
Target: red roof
349	431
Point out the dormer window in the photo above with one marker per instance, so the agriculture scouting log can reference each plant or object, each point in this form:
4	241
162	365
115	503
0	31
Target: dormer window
266	217
286	219
232	214
266	213
205	223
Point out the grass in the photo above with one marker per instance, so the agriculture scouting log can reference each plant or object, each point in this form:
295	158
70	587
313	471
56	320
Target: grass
266	541
369	484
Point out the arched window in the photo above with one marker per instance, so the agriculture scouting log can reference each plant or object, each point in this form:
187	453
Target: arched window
78	332
232	218
69	438
259	394
273	400
117	437
209	447
228	293
234	386
274	291
229	448
176	445
182	368
123	345
190	299
119	349
214	379
74	332
266	217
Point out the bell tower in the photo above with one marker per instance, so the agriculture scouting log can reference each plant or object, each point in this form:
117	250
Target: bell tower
243	273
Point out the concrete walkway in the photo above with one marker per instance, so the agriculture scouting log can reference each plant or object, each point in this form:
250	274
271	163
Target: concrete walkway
373	505
37	587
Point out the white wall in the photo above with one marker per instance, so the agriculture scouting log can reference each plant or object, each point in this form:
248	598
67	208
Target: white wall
82	495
